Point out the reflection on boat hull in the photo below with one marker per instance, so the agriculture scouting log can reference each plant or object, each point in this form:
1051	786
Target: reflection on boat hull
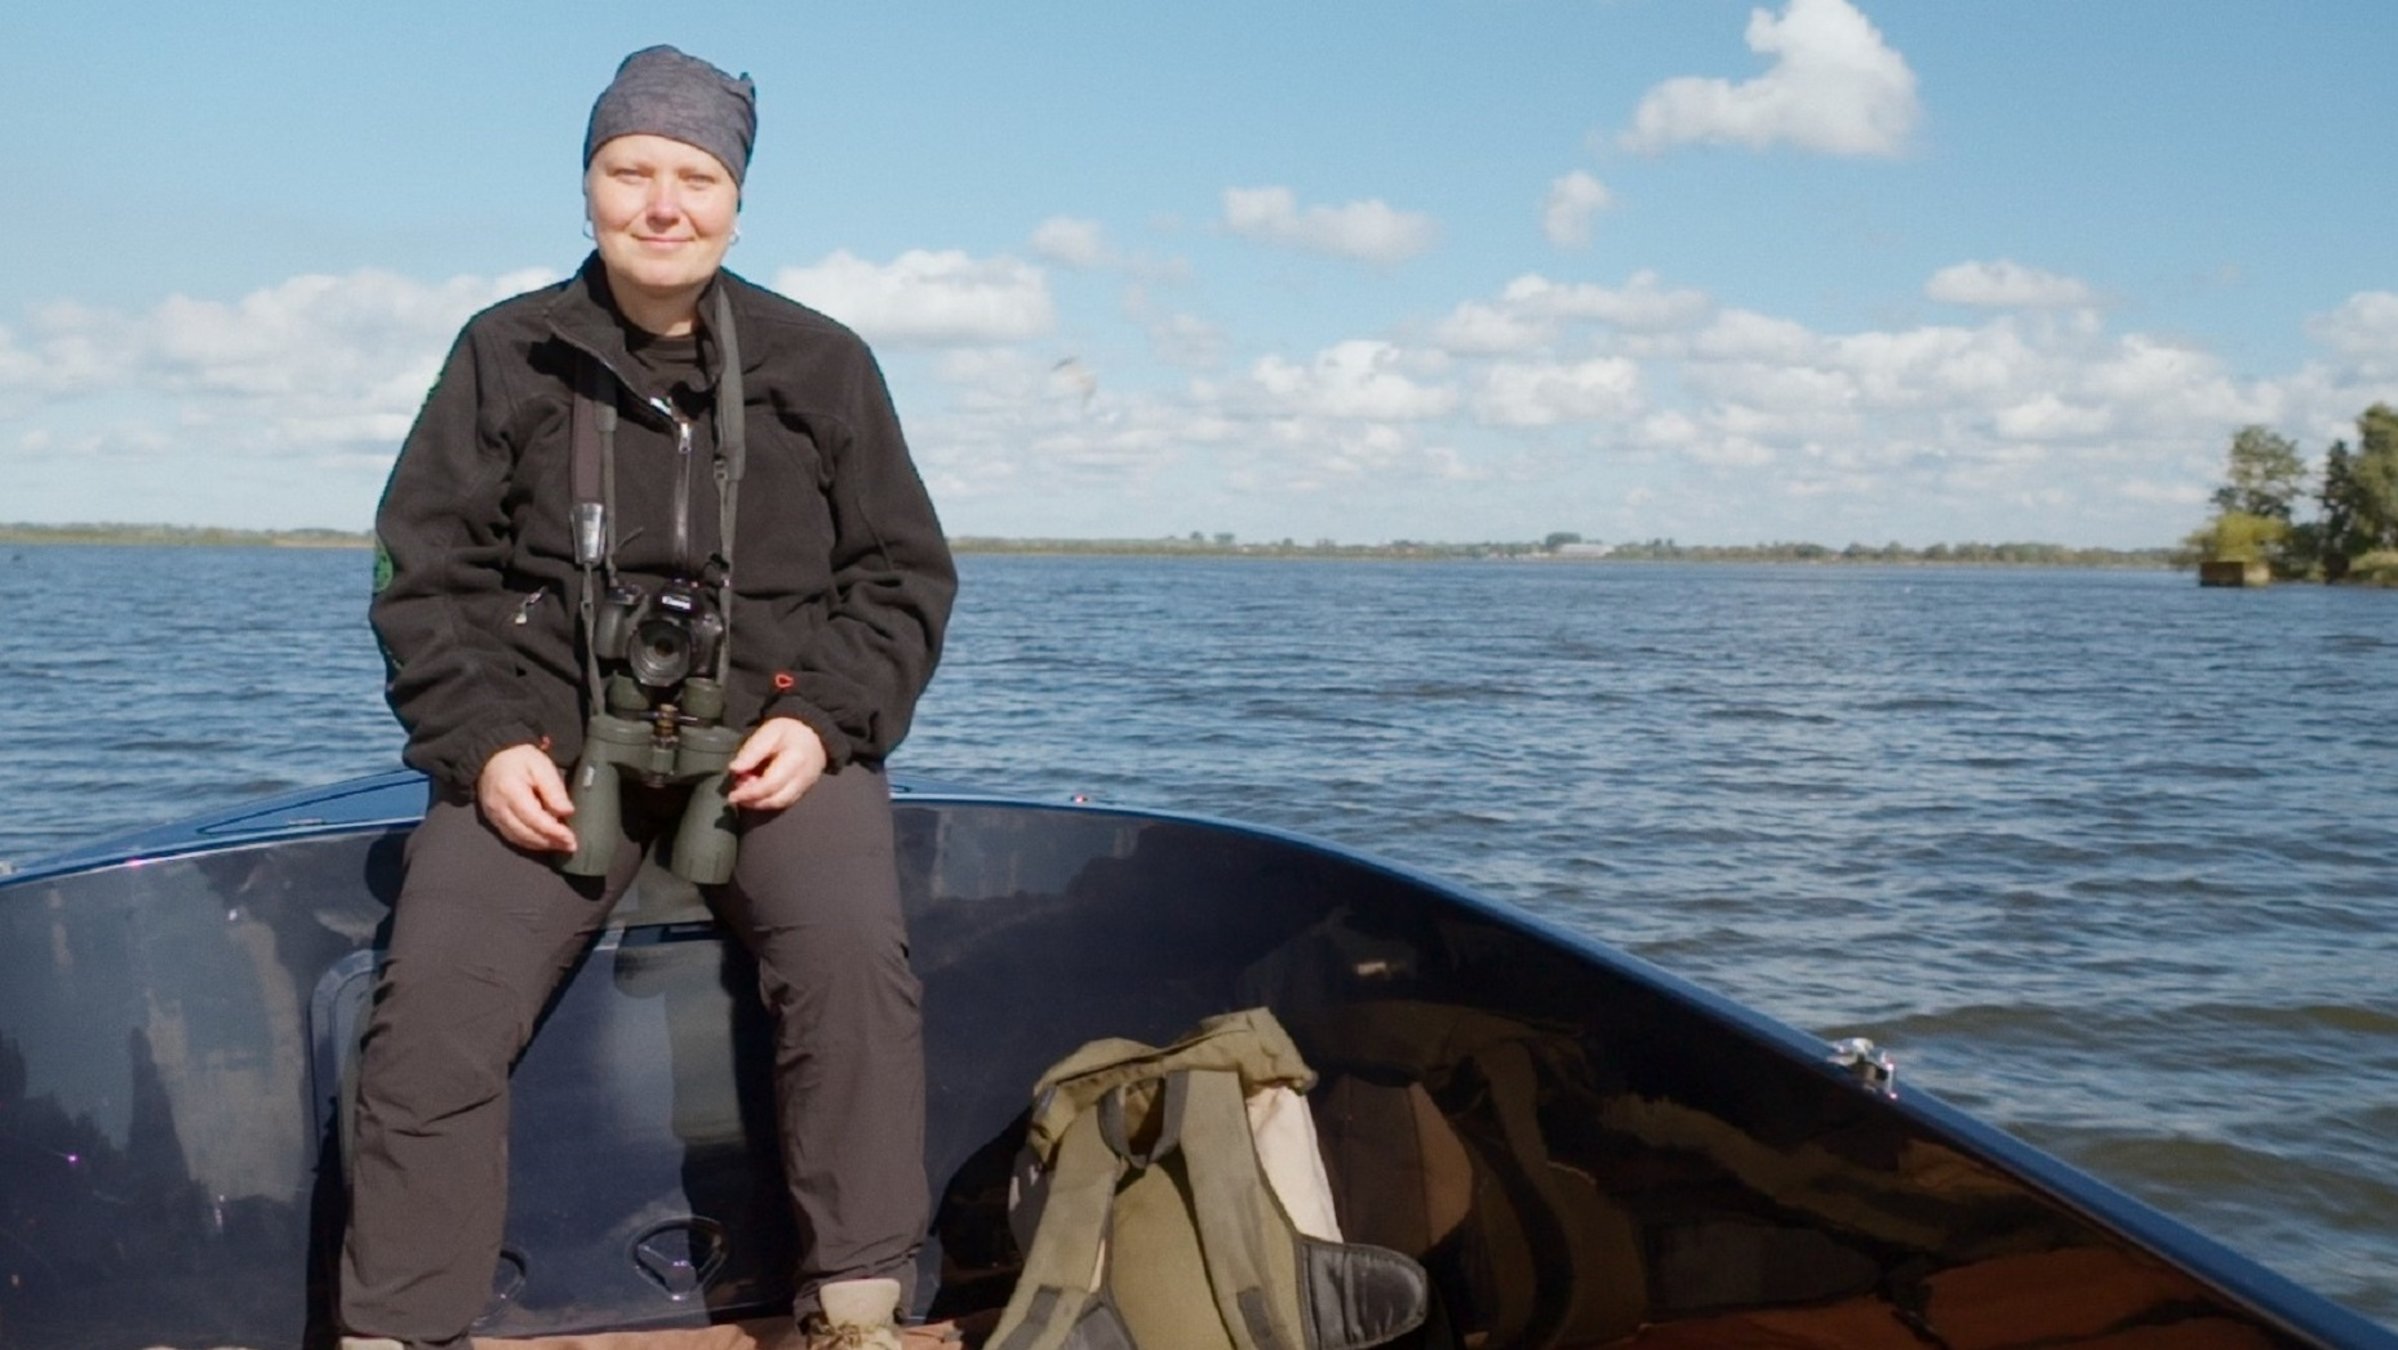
1581	1149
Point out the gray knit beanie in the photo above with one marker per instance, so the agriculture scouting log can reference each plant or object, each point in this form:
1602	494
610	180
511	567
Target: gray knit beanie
662	92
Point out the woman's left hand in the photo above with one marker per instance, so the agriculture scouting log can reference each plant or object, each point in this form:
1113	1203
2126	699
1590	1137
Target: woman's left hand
779	762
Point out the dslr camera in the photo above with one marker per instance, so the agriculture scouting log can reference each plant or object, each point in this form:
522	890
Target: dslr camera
662	724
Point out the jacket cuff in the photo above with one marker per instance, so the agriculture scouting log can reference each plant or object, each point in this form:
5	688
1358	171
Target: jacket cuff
838	748
476	748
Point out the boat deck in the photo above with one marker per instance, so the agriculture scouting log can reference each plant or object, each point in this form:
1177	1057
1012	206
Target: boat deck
2084	1299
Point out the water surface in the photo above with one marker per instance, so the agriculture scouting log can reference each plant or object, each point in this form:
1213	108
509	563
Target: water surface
2104	857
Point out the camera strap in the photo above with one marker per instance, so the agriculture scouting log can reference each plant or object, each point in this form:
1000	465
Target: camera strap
591	473
732	456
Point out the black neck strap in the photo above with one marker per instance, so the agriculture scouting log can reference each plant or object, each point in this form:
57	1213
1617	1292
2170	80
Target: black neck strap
732	456
591	474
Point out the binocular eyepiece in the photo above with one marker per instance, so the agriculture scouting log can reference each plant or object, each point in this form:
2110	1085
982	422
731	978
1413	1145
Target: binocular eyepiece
663	725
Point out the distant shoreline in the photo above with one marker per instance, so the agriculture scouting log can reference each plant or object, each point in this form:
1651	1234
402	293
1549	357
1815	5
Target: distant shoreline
181	536
1224	546
1656	550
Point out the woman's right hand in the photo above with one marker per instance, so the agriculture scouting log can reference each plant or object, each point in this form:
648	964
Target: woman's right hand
523	796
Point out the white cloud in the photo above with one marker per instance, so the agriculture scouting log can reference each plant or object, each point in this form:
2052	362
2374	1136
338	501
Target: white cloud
1178	339
1350	417
2034	420
2364	330
1833	86
1667	429
1307	455
1188	341
1642	304
1731	452
2176	382
283	406
1573	200
1358	379
312	363
2005	284
1745	335
1947	366
18	367
2045	417
2185	494
1479	329
1107	450
1370	231
1073	242
1532	312
1521	394
2033	423
1013	418
1792	397
1360	415
925	298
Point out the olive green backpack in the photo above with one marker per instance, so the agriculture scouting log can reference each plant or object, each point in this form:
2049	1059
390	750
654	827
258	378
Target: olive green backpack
1155	1225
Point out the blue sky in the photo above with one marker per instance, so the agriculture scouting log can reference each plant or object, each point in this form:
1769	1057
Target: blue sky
1816	269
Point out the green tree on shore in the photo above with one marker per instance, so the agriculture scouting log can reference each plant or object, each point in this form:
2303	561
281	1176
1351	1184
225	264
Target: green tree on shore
2265	475
2360	501
2263	478
2376	471
2354	535
2337	529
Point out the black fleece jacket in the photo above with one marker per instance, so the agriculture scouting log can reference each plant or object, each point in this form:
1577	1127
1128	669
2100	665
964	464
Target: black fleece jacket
842	579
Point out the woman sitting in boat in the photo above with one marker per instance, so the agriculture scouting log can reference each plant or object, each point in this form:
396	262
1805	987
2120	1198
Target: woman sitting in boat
654	565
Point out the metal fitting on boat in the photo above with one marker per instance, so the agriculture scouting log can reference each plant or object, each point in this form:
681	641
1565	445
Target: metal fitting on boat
1869	1064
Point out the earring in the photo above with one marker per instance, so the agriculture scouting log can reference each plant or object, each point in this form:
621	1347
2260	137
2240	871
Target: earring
736	236
587	234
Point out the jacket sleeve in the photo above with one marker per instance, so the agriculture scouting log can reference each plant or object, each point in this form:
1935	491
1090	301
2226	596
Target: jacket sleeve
855	680
442	534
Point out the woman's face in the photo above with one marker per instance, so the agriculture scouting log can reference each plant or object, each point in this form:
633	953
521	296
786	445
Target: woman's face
662	212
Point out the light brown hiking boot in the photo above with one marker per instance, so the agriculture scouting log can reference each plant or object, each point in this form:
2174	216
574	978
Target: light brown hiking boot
857	1315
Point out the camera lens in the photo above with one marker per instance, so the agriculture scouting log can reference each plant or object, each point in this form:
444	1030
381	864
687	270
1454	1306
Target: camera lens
660	652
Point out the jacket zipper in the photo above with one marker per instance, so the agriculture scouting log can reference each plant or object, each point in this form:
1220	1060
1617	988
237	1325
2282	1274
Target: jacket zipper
682	449
682	483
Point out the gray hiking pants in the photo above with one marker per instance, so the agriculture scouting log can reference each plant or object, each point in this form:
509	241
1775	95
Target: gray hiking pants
481	935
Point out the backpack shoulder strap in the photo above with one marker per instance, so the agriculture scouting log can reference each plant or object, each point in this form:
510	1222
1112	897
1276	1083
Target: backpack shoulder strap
1060	1286
1243	1235
1277	1288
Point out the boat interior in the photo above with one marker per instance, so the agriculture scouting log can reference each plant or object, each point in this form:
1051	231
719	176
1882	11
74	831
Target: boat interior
1580	1150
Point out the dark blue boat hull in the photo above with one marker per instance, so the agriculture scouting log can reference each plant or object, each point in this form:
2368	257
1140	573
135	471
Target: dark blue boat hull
1578	1143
